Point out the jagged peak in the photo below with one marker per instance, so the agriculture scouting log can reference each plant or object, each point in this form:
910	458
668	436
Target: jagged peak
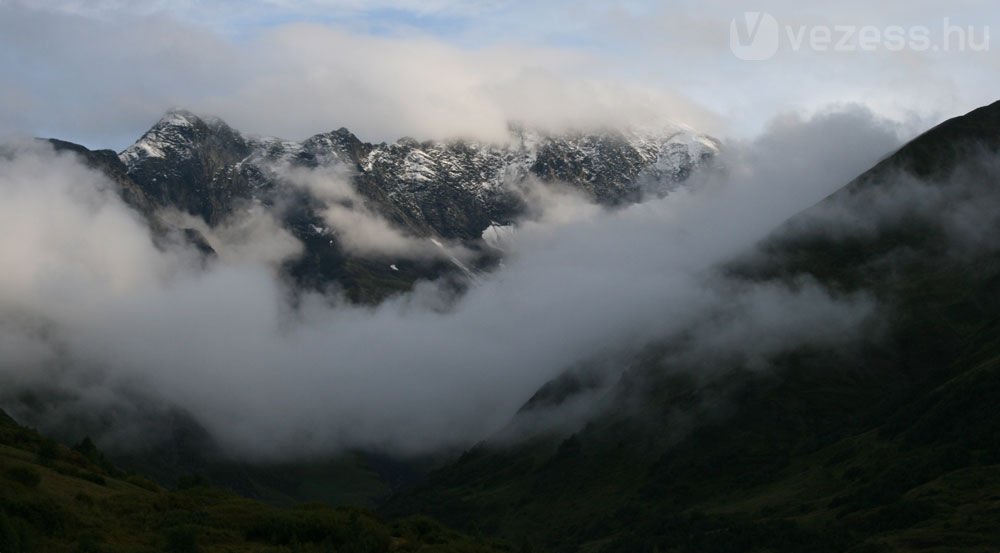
408	141
178	130
342	135
179	117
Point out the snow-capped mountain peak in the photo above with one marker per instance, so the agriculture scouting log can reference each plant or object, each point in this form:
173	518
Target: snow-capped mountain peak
452	191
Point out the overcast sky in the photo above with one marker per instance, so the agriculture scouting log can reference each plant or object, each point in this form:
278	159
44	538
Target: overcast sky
102	71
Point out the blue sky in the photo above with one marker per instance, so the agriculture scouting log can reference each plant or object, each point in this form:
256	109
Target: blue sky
101	71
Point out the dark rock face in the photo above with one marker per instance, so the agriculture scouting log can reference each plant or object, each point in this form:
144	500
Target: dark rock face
108	163
614	167
190	163
448	191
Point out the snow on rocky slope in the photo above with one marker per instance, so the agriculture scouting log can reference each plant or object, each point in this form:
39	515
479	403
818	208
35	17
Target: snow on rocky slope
452	191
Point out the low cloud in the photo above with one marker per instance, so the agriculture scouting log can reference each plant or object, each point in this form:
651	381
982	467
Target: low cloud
960	205
357	227
95	314
251	236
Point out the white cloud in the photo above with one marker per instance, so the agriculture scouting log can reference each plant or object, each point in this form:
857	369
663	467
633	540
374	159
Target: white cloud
358	228
117	75
396	67
252	236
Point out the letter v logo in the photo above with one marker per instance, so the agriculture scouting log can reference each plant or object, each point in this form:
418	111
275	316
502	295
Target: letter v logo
754	37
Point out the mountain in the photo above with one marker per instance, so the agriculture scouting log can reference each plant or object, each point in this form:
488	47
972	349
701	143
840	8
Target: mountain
451	195
437	193
452	189
889	443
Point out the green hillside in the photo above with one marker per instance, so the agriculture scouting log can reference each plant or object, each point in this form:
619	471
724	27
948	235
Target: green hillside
57	499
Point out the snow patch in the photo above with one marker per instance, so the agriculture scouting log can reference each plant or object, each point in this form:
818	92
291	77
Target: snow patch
496	235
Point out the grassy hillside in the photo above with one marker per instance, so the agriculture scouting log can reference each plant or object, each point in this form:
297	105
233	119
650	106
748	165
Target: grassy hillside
347	479
888	445
57	499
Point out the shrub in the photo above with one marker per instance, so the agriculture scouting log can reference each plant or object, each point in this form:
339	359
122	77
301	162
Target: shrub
9	541
95	478
191	481
48	452
89	542
143	483
182	539
24	475
44	514
14	534
88	450
82	474
352	533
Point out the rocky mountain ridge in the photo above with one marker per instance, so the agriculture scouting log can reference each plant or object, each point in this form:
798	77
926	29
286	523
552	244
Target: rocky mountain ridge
611	166
444	192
